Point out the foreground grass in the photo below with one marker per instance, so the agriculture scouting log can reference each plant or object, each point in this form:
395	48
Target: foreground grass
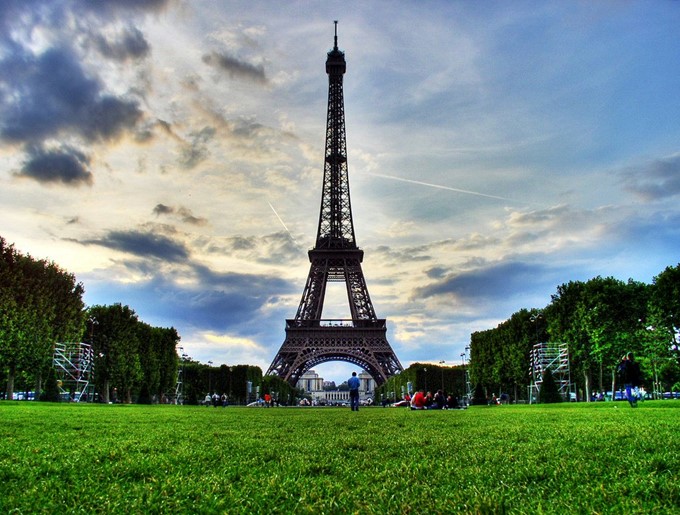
578	458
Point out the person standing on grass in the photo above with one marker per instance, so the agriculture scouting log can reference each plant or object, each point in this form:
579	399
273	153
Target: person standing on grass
354	383
629	370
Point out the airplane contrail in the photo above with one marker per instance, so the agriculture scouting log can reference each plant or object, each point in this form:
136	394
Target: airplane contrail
421	183
284	225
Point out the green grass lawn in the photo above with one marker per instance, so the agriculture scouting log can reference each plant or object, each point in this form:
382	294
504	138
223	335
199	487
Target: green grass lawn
569	458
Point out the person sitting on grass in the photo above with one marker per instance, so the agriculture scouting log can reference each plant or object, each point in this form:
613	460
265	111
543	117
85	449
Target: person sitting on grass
452	402
418	400
439	400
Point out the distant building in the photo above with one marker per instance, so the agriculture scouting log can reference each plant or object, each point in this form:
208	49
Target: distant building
312	384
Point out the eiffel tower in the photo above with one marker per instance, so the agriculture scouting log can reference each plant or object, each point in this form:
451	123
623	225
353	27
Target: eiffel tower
311	340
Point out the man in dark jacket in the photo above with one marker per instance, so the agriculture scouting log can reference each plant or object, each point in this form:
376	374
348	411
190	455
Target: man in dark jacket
629	370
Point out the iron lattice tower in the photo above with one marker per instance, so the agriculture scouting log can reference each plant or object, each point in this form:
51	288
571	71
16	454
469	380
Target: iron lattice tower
310	339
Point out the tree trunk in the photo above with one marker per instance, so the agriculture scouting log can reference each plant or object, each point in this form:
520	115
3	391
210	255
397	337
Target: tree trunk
38	386
105	393
655	388
601	377
10	382
586	378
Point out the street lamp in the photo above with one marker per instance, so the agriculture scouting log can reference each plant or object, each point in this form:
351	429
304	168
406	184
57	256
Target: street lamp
535	320
92	321
442	363
210	376
468	393
231	369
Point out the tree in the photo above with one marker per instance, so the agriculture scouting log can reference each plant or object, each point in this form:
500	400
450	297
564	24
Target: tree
158	361
51	392
549	392
116	347
665	298
40	304
660	337
562	317
478	396
599	320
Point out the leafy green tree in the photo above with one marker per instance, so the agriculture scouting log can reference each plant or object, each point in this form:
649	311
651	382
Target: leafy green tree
562	318
280	390
499	358
665	299
158	361
661	336
116	347
40	304
478	396
599	320
51	391
611	314
549	391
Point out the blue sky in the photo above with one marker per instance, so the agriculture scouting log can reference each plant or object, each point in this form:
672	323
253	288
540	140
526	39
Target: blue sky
170	154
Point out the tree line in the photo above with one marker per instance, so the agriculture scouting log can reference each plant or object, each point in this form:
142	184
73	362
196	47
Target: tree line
599	320
42	304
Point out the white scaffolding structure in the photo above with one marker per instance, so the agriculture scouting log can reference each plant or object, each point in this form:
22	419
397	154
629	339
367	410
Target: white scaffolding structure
74	366
555	357
179	387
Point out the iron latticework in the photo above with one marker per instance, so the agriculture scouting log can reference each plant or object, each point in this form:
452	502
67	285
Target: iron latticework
310	339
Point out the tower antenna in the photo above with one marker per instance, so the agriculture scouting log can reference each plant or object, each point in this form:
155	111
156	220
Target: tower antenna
336	35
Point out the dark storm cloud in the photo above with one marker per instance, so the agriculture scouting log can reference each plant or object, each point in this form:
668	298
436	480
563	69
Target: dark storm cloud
196	151
132	45
235	67
230	300
498	281
188	217
409	254
117	6
184	214
656	180
437	272
217	301
145	245
162	209
65	165
44	95
276	248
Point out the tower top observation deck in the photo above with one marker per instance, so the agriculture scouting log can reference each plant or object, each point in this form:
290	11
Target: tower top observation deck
335	64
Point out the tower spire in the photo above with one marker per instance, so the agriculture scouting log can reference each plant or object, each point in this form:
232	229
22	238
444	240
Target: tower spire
335	44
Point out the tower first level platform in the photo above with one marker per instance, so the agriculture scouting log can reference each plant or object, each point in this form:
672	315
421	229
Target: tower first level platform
312	342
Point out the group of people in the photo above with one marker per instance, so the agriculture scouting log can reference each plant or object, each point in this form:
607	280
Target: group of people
439	400
216	399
